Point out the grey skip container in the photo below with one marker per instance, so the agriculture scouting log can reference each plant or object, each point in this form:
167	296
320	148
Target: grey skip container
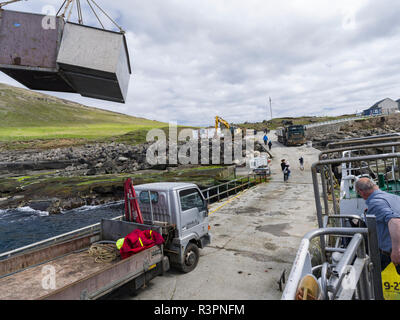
95	61
29	48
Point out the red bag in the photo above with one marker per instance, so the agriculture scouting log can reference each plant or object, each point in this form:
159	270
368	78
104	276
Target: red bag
138	241
153	235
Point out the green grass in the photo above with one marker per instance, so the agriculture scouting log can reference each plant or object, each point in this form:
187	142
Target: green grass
34	120
27	116
25	108
89	131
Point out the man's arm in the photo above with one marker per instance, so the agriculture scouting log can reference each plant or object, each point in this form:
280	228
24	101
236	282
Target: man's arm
394	230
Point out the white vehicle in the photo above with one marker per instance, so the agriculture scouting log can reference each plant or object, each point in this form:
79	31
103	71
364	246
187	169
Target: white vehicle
260	165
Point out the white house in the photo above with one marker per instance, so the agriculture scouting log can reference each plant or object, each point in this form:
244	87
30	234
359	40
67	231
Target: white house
385	106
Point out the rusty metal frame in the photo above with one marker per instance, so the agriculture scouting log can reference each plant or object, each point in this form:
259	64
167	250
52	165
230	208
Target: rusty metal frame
365	140
110	278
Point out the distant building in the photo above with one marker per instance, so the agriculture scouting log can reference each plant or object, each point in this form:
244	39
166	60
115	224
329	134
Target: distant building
385	106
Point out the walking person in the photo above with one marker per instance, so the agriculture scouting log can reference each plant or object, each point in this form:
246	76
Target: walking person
386	208
301	160
288	168
265	139
285	166
269	145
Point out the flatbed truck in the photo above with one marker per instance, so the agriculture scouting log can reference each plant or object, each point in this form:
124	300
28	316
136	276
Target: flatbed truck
60	268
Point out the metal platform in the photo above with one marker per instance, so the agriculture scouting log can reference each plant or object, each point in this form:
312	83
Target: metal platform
95	61
28	52
68	58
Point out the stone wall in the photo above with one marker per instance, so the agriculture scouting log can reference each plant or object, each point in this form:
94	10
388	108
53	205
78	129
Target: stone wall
322	135
325	129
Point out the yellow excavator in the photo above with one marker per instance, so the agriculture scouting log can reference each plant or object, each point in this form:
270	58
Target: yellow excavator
219	122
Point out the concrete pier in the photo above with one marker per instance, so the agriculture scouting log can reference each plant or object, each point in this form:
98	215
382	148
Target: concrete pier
256	235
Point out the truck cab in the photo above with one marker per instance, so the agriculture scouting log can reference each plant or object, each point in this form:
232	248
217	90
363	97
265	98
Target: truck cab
180	209
296	134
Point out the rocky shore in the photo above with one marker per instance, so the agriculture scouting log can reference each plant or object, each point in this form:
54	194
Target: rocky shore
90	159
106	158
321	136
66	178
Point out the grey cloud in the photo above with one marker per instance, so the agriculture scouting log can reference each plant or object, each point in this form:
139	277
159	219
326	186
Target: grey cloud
196	59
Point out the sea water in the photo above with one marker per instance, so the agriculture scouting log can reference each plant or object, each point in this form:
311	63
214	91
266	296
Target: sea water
23	226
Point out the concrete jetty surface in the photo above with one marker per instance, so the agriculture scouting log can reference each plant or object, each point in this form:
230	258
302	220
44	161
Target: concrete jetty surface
256	235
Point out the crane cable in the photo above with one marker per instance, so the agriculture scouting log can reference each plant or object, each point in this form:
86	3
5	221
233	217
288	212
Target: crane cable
2	4
67	3
98	19
61	8
120	29
79	9
70	10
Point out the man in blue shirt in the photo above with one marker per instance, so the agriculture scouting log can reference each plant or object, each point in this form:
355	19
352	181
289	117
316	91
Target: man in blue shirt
386	208
265	139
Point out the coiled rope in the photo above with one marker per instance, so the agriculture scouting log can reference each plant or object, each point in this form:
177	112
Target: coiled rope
104	251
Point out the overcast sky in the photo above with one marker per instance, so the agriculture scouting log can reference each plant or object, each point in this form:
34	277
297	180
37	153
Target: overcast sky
195	59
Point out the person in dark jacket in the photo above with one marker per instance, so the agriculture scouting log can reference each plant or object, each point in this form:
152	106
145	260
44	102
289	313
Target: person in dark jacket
283	164
301	160
269	144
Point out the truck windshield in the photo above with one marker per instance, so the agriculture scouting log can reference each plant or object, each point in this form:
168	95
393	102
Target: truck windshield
296	129
190	199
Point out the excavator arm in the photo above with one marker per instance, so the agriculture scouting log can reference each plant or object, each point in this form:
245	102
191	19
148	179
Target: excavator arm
219	120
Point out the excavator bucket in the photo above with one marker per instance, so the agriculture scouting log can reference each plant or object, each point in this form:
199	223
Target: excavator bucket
95	61
29	45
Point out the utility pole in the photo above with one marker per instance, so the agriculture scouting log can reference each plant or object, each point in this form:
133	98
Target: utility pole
270	106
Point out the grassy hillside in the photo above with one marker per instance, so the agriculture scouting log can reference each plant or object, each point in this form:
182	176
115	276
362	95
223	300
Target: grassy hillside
27	115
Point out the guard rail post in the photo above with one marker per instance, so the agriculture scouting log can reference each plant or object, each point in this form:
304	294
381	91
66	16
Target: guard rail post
373	251
364	285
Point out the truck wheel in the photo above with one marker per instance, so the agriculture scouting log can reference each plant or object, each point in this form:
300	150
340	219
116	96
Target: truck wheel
190	258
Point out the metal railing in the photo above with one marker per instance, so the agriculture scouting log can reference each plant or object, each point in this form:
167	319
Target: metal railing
375	166
361	150
356	275
223	190
391	137
339	209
